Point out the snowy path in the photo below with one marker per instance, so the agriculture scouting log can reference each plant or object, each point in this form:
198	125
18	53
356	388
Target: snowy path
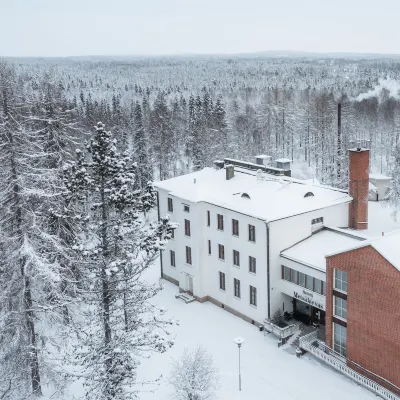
267	371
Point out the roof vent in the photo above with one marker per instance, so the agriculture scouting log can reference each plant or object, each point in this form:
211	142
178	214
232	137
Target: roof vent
245	196
309	194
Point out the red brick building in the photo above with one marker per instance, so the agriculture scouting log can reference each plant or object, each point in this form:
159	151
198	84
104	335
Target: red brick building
363	308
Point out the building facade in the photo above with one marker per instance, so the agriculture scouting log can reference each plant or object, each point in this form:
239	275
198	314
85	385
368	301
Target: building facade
362	324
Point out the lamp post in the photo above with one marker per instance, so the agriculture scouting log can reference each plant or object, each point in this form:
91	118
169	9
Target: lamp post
239	341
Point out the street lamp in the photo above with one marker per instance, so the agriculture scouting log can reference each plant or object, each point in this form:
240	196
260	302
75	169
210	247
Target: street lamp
239	341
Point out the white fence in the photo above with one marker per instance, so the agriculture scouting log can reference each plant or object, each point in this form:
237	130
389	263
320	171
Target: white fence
282	333
311	344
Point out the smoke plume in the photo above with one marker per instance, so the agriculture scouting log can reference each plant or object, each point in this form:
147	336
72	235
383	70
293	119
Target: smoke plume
391	85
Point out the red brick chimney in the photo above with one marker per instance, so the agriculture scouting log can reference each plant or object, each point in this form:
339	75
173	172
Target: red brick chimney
358	187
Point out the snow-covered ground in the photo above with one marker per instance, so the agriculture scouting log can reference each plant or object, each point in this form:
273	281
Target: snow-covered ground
267	371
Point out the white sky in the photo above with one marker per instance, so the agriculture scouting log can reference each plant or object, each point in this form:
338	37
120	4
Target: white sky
132	27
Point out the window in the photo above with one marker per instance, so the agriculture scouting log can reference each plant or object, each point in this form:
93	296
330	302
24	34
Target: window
220	222
253	296
187	227
222	281
294	276
172	258
188	255
309	282
286	273
208	218
252	264
302	279
339	339
170	205
221	252
236	285
186	208
317	286
209	247
236	258
341	280
173	234
319	220
323	288
252	233
235	227
340	307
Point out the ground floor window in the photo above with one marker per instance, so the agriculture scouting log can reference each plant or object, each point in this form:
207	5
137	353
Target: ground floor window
253	296
236	284
222	281
339	339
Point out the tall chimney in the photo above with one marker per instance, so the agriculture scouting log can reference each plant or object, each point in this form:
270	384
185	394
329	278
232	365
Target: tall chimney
358	187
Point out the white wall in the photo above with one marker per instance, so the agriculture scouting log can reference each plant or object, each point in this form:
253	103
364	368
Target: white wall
289	231
205	268
212	265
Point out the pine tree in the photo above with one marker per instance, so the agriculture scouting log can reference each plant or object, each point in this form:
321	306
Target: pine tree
120	323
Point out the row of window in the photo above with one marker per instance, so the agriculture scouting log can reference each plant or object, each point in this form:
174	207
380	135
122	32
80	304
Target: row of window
235	226
307	281
221	255
220	222
236	289
186	208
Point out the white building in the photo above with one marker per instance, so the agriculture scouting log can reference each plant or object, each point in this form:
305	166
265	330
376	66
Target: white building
238	230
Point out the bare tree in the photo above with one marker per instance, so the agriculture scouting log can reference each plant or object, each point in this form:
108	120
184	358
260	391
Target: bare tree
194	376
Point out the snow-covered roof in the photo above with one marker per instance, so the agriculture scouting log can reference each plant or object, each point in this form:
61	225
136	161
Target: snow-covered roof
379	177
312	251
387	245
283	160
271	198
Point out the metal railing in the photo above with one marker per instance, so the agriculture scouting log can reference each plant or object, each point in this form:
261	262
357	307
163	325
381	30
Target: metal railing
311	344
282	333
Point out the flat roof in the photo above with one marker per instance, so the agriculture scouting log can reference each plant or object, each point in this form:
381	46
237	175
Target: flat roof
312	251
283	160
379	177
387	245
271	198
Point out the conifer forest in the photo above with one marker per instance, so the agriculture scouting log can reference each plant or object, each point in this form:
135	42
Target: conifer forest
82	140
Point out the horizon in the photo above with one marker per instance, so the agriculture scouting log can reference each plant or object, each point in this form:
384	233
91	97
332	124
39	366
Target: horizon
44	28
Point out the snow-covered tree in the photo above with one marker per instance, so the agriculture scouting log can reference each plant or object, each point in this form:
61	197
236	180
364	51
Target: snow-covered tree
31	296
394	192
194	376
120	323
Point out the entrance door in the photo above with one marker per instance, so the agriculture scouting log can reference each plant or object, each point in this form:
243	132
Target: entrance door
190	284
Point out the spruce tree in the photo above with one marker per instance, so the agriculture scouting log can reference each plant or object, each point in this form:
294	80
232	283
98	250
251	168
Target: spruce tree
119	322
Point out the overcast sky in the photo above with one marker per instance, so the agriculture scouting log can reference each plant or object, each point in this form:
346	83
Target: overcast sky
150	27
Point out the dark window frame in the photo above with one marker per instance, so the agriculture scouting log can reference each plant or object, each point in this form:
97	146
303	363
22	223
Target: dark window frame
235	227
172	258
208	218
221	251
188	255
187	227
220	222
252	264
236	285
222	284
253	296
236	258
170	205
252	233
209	247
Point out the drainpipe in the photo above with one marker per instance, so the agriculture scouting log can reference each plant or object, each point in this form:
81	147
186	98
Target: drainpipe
268	274
158	214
